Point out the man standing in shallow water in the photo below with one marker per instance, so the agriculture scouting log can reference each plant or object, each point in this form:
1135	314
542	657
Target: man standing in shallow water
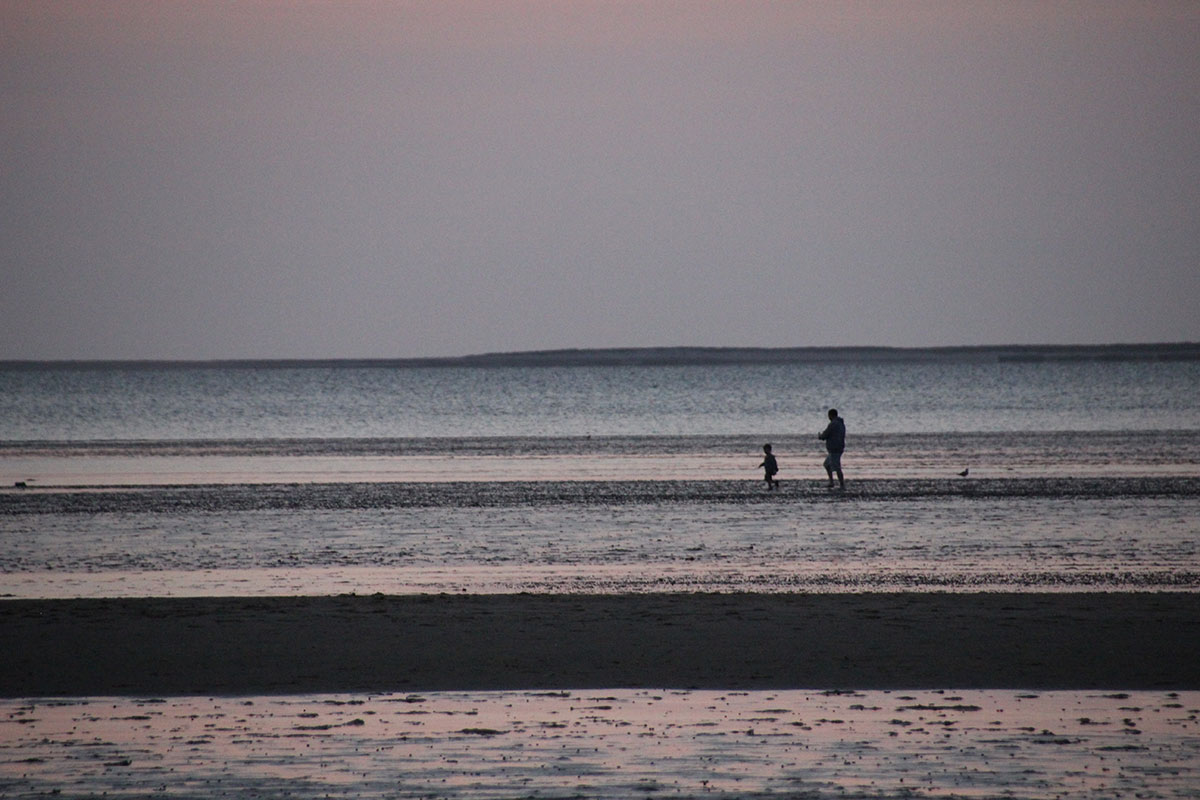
834	437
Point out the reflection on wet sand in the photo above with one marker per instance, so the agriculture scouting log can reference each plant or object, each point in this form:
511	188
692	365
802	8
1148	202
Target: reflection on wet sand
1113	534
610	744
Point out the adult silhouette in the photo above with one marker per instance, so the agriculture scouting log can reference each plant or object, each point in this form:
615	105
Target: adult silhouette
834	437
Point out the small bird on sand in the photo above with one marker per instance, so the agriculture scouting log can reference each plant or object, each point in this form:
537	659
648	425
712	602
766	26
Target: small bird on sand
965	472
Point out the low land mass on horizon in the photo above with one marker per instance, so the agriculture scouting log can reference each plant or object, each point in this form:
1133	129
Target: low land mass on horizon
683	356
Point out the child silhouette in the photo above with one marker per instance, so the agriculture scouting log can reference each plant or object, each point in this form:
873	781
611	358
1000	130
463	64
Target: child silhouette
770	467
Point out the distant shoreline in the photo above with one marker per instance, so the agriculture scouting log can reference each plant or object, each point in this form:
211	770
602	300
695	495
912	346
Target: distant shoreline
679	356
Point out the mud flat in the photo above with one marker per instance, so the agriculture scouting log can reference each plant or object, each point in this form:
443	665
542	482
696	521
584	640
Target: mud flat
348	643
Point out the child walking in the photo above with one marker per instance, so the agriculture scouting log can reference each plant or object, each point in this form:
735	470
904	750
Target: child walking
770	467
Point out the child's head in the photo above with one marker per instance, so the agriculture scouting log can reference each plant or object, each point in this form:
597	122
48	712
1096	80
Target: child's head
766	448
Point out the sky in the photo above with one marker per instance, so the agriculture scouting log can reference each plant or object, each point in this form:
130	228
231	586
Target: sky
299	179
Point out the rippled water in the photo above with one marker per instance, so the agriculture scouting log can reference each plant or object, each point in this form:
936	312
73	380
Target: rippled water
282	402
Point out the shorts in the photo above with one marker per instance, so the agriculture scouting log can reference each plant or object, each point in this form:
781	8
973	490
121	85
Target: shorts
833	462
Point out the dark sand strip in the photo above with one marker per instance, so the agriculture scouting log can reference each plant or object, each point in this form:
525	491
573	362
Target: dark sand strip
164	646
539	494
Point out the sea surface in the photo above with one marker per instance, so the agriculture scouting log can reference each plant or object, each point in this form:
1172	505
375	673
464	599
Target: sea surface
290	479
264	401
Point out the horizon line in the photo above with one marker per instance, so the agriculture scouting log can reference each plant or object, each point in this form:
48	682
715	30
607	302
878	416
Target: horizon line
680	355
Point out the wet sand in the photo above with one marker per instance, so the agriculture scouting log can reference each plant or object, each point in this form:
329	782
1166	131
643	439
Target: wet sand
610	744
602	537
254	646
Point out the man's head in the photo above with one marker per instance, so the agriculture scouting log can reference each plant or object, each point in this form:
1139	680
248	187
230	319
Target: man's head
833	413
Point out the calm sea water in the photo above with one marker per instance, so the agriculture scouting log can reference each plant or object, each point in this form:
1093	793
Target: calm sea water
267	402
635	478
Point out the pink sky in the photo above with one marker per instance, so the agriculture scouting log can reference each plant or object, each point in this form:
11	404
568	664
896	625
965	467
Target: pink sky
207	180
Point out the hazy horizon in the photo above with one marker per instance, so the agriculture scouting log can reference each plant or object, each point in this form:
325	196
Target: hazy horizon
376	180
685	355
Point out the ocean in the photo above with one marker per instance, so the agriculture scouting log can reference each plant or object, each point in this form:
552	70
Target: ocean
270	478
262	401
